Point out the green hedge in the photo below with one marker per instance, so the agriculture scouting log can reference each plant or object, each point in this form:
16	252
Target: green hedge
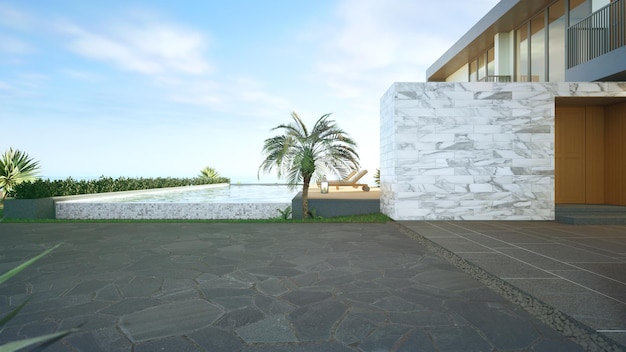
69	187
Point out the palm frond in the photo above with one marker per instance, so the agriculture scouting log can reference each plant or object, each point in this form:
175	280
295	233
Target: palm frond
16	167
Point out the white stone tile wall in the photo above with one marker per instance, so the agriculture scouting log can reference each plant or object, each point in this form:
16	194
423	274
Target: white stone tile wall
472	151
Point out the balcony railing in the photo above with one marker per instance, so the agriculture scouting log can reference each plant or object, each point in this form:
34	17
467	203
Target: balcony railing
494	78
598	34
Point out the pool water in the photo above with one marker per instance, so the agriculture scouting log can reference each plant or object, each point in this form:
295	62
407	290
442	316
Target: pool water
222	194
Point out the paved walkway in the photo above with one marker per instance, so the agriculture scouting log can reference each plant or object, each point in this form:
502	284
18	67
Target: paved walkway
255	287
578	270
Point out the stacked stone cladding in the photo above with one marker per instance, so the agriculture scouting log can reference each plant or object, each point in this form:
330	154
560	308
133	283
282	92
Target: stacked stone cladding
473	151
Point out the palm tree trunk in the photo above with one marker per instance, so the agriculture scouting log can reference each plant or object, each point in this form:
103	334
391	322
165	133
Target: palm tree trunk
305	197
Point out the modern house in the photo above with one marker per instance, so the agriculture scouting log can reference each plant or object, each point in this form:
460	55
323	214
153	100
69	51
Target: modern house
524	112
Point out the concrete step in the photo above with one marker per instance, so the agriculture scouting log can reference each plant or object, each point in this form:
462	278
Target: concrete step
585	214
592	219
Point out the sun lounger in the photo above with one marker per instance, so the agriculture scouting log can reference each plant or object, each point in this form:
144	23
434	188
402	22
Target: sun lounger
352	181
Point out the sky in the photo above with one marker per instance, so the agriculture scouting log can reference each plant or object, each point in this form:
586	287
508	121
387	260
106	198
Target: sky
164	88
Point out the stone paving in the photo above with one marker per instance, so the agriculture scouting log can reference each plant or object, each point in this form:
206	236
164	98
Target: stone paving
253	287
573	277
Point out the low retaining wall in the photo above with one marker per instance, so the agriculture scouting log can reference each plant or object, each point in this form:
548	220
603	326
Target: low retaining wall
333	207
83	210
41	208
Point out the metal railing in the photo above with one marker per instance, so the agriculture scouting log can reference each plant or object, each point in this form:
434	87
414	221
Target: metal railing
598	34
495	78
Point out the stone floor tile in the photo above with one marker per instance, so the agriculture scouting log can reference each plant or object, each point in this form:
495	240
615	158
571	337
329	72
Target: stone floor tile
169	319
304	297
274	329
214	339
168	344
459	338
315	321
354	329
236	318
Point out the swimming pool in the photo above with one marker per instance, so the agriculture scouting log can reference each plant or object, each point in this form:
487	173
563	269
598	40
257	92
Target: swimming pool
193	202
222	194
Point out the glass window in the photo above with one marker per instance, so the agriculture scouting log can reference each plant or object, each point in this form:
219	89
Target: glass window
491	63
578	9
538	49
482	67
473	72
521	54
598	4
556	42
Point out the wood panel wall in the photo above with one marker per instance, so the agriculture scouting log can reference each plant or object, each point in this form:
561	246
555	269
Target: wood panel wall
594	155
615	154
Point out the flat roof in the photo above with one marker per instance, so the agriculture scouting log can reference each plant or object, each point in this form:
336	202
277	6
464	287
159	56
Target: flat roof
504	17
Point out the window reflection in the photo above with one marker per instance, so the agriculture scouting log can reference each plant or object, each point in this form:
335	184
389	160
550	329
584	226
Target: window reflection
521	59
538	49
556	49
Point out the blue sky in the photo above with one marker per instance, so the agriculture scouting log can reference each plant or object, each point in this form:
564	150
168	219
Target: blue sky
164	88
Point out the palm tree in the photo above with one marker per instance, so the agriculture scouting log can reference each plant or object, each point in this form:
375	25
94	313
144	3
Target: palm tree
301	155
15	168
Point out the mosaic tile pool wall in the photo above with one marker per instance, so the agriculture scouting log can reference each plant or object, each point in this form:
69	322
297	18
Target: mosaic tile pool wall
84	210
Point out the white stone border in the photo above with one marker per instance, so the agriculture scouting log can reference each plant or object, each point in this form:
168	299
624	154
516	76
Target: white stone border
91	210
97	206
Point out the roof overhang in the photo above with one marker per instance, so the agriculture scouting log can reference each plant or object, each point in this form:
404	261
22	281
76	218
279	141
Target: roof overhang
504	17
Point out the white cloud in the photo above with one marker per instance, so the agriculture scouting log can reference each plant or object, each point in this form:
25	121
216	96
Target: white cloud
81	75
13	45
242	95
10	17
151	48
372	42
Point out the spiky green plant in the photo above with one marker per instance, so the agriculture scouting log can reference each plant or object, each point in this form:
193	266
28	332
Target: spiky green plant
16	167
209	173
49	338
377	177
301	155
285	214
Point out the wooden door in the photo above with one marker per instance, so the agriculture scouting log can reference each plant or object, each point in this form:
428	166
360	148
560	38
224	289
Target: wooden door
569	150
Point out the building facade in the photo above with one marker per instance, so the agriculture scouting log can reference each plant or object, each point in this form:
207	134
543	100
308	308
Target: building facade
526	111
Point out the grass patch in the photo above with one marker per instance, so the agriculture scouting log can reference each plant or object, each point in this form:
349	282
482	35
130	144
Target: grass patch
366	218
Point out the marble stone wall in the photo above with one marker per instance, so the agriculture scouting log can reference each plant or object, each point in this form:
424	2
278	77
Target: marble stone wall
472	151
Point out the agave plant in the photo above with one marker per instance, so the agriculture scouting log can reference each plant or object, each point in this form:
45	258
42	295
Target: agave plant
46	339
209	173
15	168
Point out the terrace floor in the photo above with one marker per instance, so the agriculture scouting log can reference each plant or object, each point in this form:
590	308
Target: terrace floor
345	192
315	287
579	271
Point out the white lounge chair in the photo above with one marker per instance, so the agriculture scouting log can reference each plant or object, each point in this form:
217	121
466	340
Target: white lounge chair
352	181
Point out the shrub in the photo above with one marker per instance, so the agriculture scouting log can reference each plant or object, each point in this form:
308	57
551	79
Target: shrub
54	188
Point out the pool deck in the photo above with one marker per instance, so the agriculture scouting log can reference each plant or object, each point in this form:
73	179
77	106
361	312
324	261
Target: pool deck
344	193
